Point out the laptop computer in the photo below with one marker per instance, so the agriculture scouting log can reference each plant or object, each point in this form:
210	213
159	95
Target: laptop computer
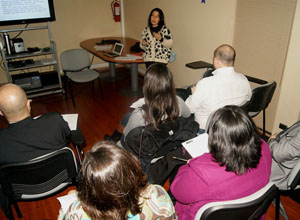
118	48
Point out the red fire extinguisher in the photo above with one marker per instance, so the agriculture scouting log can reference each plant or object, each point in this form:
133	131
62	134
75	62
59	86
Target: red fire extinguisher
115	8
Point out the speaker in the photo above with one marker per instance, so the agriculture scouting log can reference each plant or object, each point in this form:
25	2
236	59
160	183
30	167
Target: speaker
18	45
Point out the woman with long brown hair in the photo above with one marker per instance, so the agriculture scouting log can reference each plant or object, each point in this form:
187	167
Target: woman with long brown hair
160	102
112	186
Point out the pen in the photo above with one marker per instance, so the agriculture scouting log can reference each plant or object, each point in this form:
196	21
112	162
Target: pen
177	158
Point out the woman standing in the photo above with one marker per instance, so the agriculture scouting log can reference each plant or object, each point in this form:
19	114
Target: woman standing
156	39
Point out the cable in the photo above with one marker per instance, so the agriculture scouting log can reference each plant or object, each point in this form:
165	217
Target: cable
20	32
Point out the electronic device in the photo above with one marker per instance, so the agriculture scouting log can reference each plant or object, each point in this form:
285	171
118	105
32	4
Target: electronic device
7	43
18	45
109	41
28	81
33	49
20	63
26	11
118	48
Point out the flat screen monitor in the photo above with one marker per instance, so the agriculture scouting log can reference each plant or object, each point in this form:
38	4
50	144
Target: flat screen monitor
26	11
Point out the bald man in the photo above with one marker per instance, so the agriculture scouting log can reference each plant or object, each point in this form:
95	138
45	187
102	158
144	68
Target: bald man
225	87
26	138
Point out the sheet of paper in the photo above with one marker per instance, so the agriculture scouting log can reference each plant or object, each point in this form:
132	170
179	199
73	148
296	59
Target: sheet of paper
71	119
139	103
66	201
197	145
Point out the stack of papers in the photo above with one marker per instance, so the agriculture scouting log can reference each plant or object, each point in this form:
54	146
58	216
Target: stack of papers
129	57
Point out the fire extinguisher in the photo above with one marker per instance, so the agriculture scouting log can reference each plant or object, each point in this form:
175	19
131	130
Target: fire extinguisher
115	8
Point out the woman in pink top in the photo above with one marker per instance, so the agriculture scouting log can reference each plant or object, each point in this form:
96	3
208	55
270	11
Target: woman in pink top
239	164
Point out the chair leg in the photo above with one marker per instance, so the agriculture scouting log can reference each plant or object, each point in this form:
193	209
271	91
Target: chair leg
93	87
100	87
65	78
71	92
277	206
15	204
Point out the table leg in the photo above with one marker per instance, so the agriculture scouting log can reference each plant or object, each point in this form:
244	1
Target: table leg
113	75
134	77
134	90
112	69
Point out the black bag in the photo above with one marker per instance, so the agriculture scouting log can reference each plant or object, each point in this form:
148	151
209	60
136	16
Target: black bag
148	143
136	48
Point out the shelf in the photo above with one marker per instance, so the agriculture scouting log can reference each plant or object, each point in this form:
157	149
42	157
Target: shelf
28	54
24	29
36	64
50	82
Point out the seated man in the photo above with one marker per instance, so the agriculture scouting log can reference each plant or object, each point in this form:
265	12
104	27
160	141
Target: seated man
285	149
26	138
225	87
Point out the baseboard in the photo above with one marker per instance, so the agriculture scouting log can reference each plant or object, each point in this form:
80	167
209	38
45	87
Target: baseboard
99	65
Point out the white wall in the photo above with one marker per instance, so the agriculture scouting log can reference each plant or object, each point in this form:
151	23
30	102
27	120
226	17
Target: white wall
197	29
288	109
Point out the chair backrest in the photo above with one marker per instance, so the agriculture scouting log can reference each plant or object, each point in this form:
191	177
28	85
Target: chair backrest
260	99
294	177
40	177
246	208
74	60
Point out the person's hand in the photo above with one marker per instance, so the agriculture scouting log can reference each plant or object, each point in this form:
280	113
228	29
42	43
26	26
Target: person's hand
193	89
144	43
273	136
157	35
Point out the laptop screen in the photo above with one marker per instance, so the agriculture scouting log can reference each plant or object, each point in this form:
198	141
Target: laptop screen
118	48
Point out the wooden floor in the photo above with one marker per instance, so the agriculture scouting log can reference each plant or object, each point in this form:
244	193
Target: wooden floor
97	117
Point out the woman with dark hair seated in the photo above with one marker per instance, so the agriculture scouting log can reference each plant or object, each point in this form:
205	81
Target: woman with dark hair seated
239	164
160	102
113	186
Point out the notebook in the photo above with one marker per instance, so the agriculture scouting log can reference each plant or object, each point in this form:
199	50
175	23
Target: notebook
118	48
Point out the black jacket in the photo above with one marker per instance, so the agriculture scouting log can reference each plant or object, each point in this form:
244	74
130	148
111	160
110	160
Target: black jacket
147	143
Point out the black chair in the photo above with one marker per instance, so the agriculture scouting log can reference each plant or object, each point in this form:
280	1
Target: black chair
260	99
293	191
38	178
76	66
247	208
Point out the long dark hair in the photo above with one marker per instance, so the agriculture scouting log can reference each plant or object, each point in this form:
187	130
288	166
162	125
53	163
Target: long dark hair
233	140
110	182
161	22
159	93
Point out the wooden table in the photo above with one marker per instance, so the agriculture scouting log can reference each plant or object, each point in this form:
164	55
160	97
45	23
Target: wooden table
127	42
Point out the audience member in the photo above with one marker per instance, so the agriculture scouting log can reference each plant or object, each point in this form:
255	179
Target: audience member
239	164
25	137
225	87
113	186
160	102
285	149
156	39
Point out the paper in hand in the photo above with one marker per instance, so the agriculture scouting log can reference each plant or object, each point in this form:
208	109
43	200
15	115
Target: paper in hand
197	145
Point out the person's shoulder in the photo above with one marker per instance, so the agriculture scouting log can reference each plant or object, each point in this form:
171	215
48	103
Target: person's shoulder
157	188
49	116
